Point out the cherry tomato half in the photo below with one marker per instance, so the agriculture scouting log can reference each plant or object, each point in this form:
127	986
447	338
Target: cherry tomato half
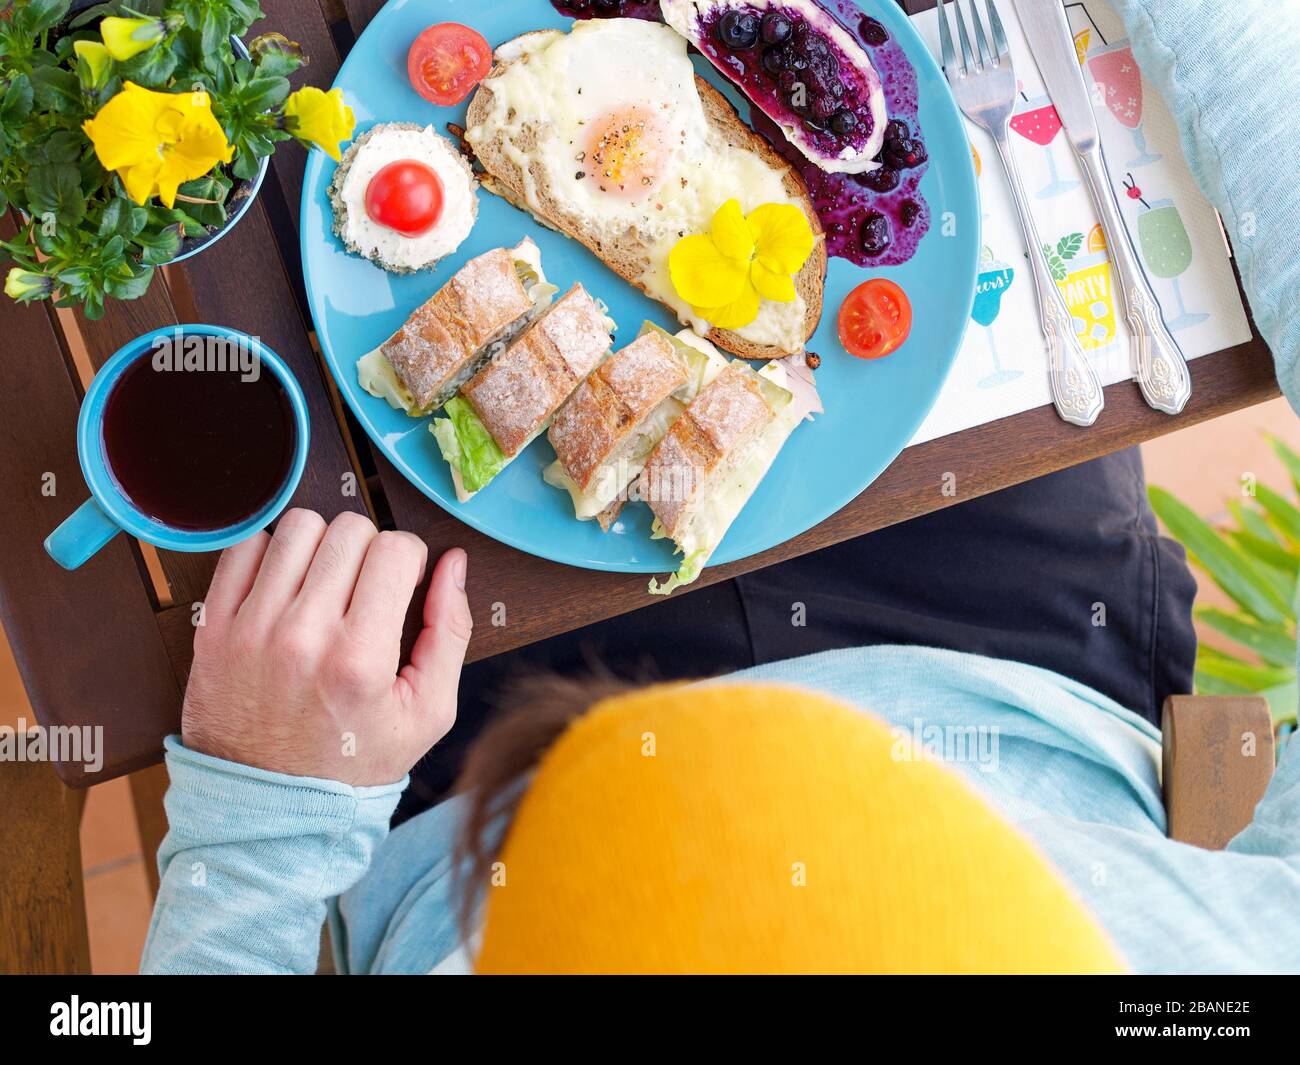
446	61
875	319
405	195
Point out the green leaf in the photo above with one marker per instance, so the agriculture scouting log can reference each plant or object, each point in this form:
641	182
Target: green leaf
1282	512
1245	677
1282	701
1275	644
17	102
1270	552
152	68
1289	459
276	55
263	93
160	247
1230	569
1251	520
55	189
56	89
45	14
61	146
1205	684
1068	247
1281	577
132	287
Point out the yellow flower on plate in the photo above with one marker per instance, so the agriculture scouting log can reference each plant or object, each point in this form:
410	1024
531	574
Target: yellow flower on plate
128	37
725	274
320	118
157	141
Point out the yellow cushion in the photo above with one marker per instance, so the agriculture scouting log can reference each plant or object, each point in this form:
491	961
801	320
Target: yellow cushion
763	829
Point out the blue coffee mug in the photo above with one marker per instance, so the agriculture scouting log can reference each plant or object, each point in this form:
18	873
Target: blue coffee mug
109	511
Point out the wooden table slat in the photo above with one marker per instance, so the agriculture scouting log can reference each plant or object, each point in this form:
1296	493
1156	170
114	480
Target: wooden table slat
86	643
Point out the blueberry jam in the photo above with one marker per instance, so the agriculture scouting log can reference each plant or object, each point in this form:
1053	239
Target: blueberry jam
877	218
789	68
786	66
648	10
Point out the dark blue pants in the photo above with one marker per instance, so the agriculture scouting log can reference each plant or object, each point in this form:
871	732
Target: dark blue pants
1066	572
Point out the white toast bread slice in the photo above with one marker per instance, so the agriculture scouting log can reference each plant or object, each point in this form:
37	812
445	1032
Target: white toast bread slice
626	254
516	395
608	407
476	307
723	420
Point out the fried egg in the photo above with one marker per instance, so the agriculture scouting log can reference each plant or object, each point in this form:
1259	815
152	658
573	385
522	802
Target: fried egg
609	131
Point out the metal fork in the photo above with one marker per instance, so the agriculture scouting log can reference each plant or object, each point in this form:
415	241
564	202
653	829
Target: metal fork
984	86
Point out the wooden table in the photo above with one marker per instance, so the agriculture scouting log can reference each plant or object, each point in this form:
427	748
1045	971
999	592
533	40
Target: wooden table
110	644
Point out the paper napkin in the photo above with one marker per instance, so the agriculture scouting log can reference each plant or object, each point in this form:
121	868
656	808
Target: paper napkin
1002	366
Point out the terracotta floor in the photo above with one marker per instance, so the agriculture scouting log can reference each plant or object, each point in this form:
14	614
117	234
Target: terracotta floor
1203	465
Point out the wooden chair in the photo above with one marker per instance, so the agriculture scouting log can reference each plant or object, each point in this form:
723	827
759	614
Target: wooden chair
1218	758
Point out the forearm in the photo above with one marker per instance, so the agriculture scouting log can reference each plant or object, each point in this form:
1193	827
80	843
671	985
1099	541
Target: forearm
1229	74
249	861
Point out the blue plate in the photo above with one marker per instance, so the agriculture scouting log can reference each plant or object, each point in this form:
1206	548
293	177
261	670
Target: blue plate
872	408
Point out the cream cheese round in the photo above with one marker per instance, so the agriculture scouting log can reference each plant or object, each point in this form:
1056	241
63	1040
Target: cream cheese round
459	209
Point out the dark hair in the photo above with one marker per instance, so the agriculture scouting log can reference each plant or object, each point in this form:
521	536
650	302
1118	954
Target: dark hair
536	709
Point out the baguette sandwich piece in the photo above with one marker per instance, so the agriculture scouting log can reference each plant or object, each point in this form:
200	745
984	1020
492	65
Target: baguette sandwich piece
511	401
705	470
605	432
605	134
450	337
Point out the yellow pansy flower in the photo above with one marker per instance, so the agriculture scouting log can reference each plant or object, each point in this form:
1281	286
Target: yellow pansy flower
98	60
127	37
320	118
725	274
157	141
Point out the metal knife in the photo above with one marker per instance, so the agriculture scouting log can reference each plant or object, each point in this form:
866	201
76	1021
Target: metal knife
1160	368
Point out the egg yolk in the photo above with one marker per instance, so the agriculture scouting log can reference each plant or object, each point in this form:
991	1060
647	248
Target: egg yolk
627	153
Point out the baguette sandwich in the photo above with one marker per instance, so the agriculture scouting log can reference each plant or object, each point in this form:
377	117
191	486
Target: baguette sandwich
605	432
606	135
705	470
512	400
450	337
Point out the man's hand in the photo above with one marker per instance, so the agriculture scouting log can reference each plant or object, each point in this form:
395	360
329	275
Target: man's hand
296	662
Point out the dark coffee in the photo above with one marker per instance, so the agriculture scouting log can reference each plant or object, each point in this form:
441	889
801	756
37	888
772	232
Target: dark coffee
198	449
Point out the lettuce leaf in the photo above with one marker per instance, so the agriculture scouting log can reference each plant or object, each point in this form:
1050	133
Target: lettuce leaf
467	445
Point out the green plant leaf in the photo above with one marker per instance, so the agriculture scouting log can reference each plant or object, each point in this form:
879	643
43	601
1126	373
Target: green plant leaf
17	102
1231	570
1282	577
1245	676
56	89
132	287
263	93
1281	511
45	14
160	247
1251	520
1270	552
55	189
1289	458
1275	644
1282	701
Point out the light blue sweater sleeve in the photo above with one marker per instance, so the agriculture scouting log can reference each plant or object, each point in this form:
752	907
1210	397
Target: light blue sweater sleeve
1229	72
249	861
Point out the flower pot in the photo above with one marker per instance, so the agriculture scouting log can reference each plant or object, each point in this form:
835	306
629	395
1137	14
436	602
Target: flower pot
241	197
242	193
